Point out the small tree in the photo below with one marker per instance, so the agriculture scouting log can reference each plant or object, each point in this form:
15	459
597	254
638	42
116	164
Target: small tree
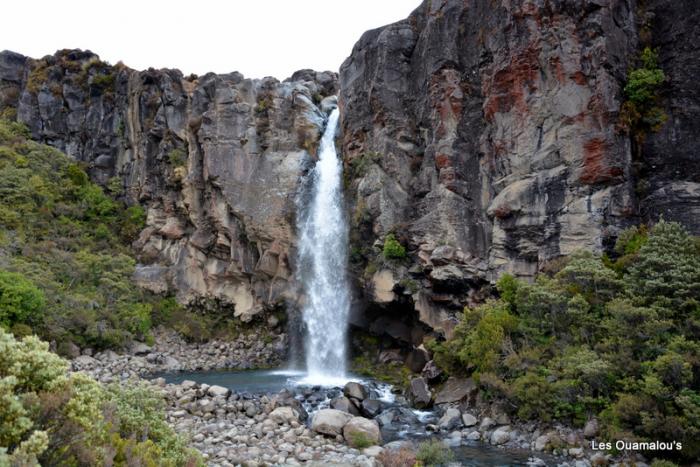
20	300
667	269
392	248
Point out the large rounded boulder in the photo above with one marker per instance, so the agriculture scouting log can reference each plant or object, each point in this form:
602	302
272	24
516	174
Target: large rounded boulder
360	431
330	421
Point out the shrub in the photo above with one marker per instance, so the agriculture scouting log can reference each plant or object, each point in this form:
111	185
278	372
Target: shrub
359	440
483	343
507	287
69	243
434	452
403	457
640	112
392	248
177	157
596	339
20	300
104	81
133	220
667	269
50	417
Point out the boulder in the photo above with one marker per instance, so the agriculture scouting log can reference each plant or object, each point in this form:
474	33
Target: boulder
371	408
487	423
383	284
139	348
456	390
599	459
417	358
170	363
372	451
282	415
541	442
431	372
474	436
502	419
591	428
69	350
419	393
500	436
344	404
218	391
188	384
356	390
360	430
108	356
469	419
442	255
286	399
450	420
330	421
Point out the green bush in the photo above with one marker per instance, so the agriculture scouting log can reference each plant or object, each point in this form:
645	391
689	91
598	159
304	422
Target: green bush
640	113
667	270
69	245
392	248
51	417
359	440
177	157
434	452
21	302
596	339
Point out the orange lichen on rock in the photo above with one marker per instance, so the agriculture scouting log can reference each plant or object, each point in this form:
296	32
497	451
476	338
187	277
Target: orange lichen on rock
442	161
596	164
507	89
446	96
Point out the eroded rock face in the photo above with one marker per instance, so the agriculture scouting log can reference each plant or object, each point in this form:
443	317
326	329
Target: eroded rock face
485	136
217	162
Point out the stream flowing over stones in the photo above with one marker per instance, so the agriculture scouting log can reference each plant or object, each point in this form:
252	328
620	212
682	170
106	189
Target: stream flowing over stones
322	266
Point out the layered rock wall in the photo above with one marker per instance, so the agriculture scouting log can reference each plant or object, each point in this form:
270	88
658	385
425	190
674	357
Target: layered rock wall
216	160
488	138
484	134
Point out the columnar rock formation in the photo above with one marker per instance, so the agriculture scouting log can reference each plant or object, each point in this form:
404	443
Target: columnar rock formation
484	134
216	160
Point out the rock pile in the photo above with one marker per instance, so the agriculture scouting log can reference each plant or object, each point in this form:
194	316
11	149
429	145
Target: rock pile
231	428
172	353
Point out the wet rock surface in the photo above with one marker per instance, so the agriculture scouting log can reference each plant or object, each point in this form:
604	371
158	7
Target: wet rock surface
306	424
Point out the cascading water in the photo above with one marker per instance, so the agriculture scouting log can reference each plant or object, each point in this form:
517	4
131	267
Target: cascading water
323	264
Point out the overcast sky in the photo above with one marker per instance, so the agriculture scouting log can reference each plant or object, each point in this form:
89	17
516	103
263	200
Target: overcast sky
256	37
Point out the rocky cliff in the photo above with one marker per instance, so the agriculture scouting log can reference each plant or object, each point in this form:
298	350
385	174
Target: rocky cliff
485	135
216	160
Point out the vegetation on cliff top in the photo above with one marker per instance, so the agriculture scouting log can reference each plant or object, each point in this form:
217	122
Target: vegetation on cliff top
614	339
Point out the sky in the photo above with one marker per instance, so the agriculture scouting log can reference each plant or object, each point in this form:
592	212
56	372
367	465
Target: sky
255	37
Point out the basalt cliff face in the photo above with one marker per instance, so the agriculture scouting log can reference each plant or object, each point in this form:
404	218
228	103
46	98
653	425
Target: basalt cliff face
484	134
217	161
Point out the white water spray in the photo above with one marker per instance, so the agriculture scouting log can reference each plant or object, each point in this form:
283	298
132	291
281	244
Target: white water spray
323	262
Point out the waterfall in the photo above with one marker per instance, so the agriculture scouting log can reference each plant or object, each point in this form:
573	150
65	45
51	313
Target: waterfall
323	242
